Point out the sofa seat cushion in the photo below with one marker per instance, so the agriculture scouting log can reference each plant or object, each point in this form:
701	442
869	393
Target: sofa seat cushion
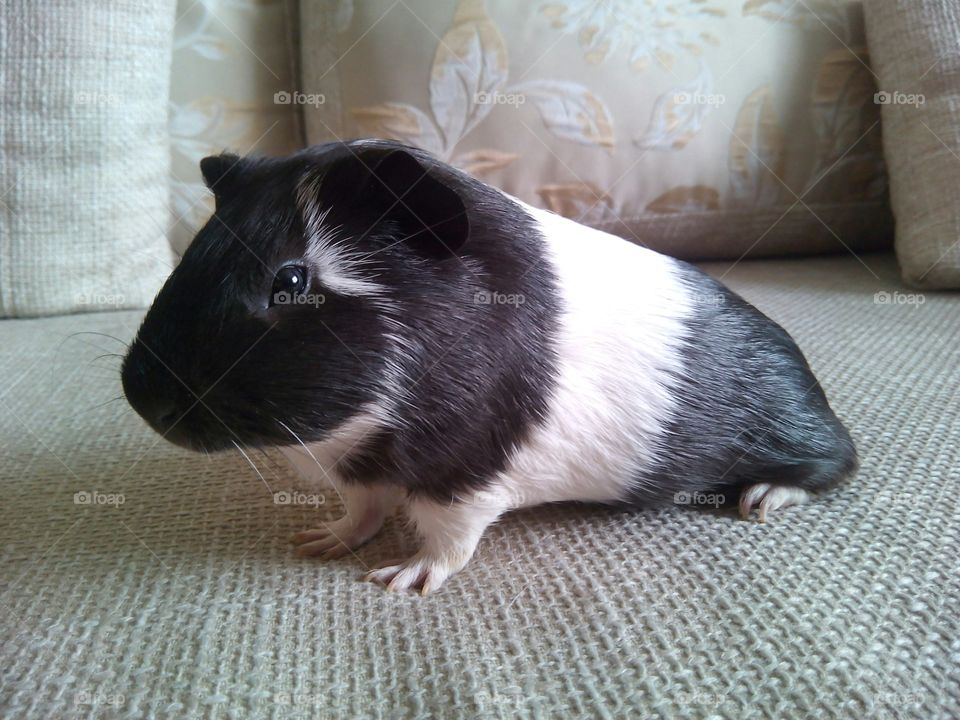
161	582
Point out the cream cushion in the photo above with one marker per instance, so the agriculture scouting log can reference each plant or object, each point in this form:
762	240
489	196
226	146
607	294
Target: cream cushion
85	158
185	601
704	128
915	45
234	63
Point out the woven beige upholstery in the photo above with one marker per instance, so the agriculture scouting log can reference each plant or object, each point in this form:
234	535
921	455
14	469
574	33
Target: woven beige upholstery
186	602
915	51
84	154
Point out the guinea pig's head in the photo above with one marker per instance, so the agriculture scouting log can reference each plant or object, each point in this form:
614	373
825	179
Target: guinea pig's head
277	324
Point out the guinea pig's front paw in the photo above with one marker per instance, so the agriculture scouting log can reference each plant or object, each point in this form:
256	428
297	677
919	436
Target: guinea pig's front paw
425	572
333	540
768	497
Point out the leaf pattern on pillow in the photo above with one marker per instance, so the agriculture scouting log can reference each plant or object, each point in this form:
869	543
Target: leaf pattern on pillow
656	32
685	199
691	164
808	14
849	163
757	152
399	121
470	63
197	129
570	111
478	162
679	113
468	81
343	15
223	94
581	201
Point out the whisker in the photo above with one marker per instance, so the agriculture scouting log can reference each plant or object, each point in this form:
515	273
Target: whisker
63	342
271	463
91	332
94	332
255	468
312	457
91	409
114	369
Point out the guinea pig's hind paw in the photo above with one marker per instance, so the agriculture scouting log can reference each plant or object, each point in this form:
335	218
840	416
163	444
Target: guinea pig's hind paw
767	497
421	572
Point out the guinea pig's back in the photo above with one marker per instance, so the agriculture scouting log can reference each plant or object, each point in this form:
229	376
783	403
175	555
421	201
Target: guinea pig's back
619	347
667	382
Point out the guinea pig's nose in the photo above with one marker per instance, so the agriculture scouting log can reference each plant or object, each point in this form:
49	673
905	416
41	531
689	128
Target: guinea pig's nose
165	416
153	392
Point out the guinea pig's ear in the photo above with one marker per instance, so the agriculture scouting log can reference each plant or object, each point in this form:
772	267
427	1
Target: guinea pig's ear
218	172
429	213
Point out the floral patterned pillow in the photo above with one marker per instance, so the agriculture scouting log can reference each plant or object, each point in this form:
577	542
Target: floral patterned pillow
703	128
233	65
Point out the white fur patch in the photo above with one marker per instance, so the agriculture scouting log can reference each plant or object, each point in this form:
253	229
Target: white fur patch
450	535
365	509
620	350
317	460
338	268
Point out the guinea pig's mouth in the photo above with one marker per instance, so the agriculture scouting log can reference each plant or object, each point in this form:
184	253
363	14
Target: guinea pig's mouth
187	433
202	430
189	427
185	415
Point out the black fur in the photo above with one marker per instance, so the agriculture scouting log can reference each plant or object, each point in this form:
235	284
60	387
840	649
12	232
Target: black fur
749	409
475	375
215	362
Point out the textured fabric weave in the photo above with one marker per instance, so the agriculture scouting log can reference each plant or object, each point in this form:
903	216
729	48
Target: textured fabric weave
185	601
84	155
915	50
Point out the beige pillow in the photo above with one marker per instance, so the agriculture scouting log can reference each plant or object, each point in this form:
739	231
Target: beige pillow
84	215
707	128
915	45
232	88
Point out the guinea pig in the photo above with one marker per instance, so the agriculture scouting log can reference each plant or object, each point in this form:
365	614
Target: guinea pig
417	337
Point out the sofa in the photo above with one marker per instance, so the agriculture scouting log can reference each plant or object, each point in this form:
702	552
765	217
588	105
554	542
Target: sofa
141	580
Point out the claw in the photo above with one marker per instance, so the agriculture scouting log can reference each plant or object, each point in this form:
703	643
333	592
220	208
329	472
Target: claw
420	572
749	498
767	498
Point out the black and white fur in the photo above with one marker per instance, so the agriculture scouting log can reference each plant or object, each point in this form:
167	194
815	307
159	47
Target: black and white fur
471	355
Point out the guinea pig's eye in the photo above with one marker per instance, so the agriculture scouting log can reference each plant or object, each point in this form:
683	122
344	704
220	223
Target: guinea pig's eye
290	281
